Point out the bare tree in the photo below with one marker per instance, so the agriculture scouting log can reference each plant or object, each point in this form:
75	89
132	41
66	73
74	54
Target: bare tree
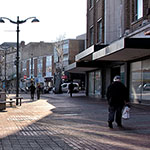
59	51
58	54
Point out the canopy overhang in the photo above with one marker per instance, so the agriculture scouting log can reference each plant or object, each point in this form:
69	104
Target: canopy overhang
86	55
80	67
125	49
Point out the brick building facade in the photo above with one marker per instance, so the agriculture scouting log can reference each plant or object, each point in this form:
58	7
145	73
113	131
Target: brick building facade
117	44
37	63
69	48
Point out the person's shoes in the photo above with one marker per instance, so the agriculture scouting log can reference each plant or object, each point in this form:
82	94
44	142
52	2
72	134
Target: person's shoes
120	125
110	125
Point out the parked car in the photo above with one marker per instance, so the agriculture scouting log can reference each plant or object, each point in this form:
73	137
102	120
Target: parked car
146	86
143	87
54	90
22	90
47	89
64	87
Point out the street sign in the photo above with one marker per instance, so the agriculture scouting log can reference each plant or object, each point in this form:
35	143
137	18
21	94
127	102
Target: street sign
25	77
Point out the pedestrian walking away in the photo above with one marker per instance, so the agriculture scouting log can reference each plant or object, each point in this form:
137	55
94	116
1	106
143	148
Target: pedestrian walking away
117	97
71	87
32	90
38	90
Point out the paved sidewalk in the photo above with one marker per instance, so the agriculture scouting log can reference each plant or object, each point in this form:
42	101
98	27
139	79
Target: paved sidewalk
58	122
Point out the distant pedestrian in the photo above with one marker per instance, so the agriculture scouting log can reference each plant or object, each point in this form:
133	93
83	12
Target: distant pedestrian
38	90
117	96
32	90
71	87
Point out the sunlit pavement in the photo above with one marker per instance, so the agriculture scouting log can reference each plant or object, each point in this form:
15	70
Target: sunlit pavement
58	122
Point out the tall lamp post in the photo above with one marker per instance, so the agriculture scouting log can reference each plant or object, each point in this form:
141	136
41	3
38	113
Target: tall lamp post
18	22
5	74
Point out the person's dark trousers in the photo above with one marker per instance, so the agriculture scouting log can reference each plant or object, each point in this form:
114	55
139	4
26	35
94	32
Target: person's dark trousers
115	112
70	94
38	95
32	96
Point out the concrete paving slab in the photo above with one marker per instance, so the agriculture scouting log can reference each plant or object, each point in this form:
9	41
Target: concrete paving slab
59	122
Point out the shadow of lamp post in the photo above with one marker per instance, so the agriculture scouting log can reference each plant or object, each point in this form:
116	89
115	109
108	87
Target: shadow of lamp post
18	22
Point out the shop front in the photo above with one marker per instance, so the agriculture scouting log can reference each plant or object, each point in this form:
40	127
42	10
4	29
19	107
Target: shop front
127	57
133	54
140	81
94	83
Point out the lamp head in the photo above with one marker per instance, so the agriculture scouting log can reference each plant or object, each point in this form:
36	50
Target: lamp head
2	21
35	20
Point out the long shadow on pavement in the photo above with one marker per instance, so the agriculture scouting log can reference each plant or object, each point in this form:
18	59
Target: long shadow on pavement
79	123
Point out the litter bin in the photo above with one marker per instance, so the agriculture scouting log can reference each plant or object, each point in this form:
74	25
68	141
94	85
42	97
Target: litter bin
2	100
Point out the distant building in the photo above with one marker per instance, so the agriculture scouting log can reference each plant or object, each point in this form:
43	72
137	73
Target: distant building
64	54
7	66
37	64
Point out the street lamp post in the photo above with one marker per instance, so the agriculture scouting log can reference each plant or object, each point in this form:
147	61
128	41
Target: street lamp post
32	66
5	74
18	22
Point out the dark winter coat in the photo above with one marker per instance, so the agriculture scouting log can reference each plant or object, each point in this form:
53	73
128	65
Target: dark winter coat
71	87
117	94
32	88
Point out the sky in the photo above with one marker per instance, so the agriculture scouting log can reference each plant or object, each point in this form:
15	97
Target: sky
57	18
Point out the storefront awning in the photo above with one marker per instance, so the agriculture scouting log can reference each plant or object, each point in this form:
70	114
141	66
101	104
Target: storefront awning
86	55
80	67
125	49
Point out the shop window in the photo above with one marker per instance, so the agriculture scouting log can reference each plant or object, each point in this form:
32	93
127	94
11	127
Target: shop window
146	80
97	85
140	81
94	83
91	84
136	81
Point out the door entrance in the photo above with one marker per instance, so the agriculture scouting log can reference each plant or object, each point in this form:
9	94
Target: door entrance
115	71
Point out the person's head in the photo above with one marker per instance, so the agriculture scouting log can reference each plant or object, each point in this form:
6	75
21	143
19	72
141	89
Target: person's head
117	78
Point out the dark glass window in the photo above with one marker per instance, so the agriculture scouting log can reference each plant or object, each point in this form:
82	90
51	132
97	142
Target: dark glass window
137	9
91	3
99	31
91	36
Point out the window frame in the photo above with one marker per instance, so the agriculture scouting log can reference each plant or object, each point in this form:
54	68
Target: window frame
99	31
91	4
137	10
91	35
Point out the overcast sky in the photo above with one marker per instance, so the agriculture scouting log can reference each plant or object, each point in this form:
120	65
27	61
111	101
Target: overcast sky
57	17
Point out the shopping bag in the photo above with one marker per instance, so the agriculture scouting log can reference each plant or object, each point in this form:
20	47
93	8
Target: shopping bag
126	112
